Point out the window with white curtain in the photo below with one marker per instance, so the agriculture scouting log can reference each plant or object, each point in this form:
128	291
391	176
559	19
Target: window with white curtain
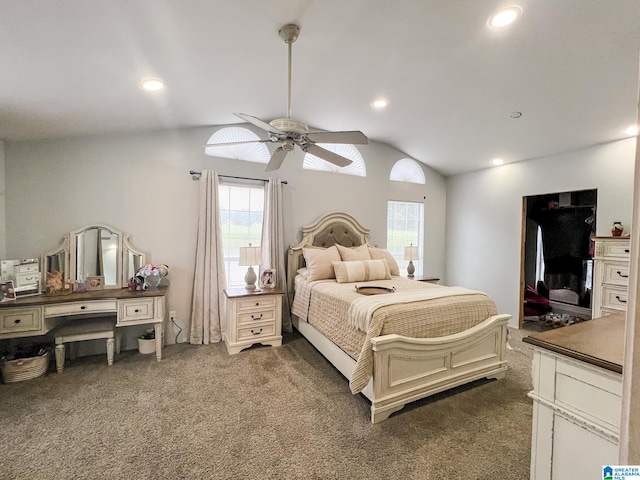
241	210
249	152
407	170
405	226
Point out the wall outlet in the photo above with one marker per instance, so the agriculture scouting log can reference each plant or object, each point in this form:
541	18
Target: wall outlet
172	315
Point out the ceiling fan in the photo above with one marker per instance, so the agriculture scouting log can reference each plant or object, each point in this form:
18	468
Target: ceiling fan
289	132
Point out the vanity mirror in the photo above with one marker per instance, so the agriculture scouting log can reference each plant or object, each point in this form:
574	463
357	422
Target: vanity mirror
94	251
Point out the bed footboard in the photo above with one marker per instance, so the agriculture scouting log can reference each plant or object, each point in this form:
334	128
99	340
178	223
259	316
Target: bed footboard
407	369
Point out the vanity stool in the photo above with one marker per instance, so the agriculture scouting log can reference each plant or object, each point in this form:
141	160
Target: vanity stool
87	329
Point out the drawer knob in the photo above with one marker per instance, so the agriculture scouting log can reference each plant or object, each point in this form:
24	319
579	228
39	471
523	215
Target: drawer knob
16	321
136	310
257	333
257	318
623	276
83	307
620	299
626	250
257	304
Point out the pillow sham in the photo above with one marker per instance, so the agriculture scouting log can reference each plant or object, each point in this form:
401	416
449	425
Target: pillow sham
361	271
379	253
349	254
319	262
303	272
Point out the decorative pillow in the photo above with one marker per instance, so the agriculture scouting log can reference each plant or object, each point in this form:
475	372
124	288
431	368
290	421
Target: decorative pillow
319	262
303	272
361	271
377	253
349	254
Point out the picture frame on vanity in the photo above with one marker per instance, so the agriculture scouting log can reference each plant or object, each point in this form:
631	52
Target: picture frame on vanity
7	291
94	283
267	278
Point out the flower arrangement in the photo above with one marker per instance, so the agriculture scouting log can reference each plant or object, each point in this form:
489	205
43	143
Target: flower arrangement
141	280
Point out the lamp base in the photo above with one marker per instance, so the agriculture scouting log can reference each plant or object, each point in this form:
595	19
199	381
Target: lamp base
410	269
250	279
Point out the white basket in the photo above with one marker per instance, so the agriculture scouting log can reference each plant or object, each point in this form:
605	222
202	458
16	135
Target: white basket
24	368
146	346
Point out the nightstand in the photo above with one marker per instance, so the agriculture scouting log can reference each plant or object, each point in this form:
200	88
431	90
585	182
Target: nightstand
424	278
253	316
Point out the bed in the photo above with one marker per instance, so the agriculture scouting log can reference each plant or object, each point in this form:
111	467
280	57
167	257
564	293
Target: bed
414	340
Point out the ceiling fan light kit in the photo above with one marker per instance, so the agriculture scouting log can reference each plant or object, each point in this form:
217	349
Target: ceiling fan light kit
289	132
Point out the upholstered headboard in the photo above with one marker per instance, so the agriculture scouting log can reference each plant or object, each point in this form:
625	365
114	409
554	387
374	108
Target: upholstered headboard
330	229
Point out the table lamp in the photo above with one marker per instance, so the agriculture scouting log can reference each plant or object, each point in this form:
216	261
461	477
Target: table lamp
250	256
411	254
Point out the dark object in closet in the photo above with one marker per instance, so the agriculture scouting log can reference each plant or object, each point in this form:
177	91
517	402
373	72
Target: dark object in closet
534	303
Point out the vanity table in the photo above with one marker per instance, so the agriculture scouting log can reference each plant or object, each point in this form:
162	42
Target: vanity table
39	314
97	252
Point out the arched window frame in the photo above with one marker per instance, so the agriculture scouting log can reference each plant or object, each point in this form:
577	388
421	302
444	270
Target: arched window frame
407	170
248	152
357	168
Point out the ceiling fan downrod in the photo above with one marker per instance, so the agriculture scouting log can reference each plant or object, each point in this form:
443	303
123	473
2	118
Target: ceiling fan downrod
289	33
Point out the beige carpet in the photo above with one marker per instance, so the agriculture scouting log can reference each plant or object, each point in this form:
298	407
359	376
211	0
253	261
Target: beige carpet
281	413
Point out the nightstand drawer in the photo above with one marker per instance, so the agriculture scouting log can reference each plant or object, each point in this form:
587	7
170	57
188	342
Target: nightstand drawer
615	298
28	278
257	302
256	332
614	248
131	311
615	273
77	308
245	318
17	320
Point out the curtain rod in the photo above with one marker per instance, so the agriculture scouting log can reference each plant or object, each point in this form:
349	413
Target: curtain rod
194	173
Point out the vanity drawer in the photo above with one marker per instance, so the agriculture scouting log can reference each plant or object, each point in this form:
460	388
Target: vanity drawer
256	332
256	303
615	273
614	298
20	320
134	310
77	308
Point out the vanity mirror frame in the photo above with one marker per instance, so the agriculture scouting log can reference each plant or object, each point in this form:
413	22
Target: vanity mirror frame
125	256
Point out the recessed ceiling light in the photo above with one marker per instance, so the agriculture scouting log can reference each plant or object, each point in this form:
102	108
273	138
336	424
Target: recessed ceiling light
505	17
152	84
380	103
497	162
631	130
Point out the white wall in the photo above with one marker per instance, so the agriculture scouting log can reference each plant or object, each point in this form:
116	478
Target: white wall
139	183
484	212
3	226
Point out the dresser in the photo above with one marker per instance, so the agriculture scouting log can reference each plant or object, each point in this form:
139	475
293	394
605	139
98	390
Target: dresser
39	314
577	398
253	316
610	275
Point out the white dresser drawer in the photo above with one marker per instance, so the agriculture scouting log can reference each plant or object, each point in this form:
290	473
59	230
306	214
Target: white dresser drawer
260	303
79	308
615	273
616	248
134	310
614	298
256	332
20	320
28	268
27	278
264	315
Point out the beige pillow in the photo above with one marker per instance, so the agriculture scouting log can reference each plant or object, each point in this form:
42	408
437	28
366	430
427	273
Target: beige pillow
361	271
349	254
319	262
378	253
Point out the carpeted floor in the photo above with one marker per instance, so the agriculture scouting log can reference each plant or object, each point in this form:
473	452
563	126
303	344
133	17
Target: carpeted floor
266	413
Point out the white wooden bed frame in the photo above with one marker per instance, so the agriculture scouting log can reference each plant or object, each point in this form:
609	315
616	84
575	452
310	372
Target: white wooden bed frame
405	368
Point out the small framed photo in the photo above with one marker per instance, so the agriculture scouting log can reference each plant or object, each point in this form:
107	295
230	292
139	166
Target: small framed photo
7	291
94	283
267	278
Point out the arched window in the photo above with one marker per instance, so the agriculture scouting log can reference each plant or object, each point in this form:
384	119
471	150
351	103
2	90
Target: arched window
250	152
407	170
358	168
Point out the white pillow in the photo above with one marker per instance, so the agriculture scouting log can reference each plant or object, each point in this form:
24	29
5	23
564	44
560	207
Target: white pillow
319	262
361	271
303	272
377	253
349	254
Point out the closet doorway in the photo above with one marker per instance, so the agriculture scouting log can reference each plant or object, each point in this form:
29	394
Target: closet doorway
557	259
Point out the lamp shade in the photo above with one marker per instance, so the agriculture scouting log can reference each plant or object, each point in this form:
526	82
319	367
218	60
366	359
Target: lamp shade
250	256
411	252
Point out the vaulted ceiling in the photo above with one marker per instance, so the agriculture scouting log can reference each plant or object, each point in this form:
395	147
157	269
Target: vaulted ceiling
569	67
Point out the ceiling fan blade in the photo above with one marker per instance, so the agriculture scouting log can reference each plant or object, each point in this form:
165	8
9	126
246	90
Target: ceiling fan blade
327	155
350	137
276	159
258	123
225	144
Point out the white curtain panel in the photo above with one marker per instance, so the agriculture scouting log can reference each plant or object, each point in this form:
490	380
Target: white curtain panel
207	309
273	249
